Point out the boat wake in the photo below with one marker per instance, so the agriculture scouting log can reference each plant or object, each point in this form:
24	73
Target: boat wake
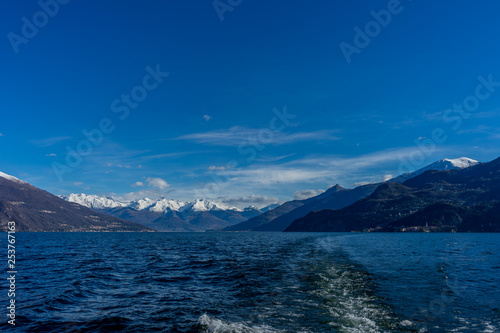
213	325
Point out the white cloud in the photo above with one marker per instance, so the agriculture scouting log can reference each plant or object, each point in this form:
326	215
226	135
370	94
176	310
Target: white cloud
77	183
306	194
207	117
137	184
258	201
157	182
213	167
387	177
276	175
237	135
51	155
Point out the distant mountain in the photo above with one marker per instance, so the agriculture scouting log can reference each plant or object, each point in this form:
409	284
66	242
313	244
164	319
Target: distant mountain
93	201
455	199
33	209
281	217
336	197
166	214
270	207
444	164
265	218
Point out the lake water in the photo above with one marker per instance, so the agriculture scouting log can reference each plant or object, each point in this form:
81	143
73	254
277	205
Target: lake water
256	282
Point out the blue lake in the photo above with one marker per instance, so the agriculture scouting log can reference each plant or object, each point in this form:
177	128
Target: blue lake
256	282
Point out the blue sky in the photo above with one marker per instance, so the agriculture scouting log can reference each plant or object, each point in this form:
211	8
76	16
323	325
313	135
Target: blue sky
214	126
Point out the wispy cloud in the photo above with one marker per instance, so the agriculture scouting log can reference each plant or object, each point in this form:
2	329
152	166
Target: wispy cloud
306	194
272	158
213	167
486	114
356	184
438	116
50	141
322	169
492	132
207	117
111	154
258	201
51	155
238	135
145	158
137	184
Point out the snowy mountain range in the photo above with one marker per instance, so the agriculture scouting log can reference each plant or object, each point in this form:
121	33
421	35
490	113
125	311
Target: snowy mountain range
173	215
168	214
161	205
201	214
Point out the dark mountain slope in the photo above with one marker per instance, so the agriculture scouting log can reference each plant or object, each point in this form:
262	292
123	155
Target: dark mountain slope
36	210
265	217
336	197
462	200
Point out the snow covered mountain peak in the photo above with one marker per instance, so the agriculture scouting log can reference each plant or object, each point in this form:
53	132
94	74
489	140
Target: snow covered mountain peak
141	203
270	207
93	201
12	178
462	162
444	164
162	205
204	205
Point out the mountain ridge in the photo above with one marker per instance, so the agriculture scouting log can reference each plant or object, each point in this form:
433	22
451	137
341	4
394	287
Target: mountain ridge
466	199
34	209
168	214
335	197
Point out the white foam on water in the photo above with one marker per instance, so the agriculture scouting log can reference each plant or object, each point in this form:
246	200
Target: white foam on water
352	309
490	328
478	326
346	296
214	325
406	323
